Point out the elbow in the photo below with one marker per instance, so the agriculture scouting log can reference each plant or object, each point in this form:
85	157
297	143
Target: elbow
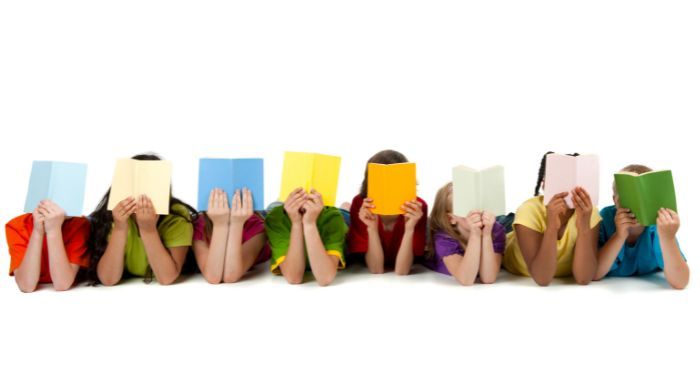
678	285
62	287
26	287
294	279
543	280
402	271
376	270
233	277
489	278
465	281
212	279
583	280
325	281
170	280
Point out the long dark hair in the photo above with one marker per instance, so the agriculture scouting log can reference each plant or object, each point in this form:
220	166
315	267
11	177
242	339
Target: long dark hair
101	221
382	157
543	169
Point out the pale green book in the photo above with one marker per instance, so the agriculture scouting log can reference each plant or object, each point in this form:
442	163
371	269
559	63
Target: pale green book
478	190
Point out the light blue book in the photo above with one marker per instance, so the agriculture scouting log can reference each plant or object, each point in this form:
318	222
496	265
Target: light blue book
63	183
231	175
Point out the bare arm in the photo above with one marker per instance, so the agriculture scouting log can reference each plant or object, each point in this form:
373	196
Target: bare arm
110	267
465	268
323	266
374	257
490	262
241	256
675	267
210	257
585	262
404	257
294	263
28	273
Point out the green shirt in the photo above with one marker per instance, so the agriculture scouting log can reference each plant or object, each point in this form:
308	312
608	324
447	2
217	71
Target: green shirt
331	229
174	230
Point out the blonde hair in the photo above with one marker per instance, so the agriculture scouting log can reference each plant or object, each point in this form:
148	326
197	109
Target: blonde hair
440	219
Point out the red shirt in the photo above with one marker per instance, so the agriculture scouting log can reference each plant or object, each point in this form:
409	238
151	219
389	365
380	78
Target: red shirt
75	230
391	240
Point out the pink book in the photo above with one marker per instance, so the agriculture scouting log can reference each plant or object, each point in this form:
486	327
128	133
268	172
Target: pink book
564	173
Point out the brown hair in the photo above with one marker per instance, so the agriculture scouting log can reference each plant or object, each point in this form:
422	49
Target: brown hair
382	157
636	168
439	218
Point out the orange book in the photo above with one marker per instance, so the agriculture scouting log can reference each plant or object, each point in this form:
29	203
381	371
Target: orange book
390	186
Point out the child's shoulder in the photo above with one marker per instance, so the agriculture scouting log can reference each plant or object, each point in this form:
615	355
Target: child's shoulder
534	204
608	212
21	222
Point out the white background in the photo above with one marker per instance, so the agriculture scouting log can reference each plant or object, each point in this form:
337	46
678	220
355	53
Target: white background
445	82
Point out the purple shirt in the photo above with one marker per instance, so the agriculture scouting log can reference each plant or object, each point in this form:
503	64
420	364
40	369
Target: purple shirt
446	246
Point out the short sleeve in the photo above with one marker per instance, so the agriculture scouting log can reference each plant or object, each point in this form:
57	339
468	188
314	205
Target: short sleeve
198	228
332	230
278	229
17	237
498	236
175	231
532	214
607	216
446	245
76	233
252	227
358	241
595	217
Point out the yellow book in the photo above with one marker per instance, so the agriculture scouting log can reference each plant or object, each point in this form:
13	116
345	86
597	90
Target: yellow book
390	186
310	171
135	177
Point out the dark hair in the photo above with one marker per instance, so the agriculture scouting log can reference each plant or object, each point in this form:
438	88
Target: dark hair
101	221
543	168
382	157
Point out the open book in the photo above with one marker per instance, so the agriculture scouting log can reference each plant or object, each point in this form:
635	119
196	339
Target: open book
478	190
231	175
62	183
390	186
136	177
646	193
564	173
310	171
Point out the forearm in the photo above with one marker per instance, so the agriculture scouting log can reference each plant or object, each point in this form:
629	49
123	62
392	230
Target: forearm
675	267
294	263
110	267
607	255
375	253
62	271
585	262
28	273
213	269
323	266
543	265
404	258
161	261
236	264
469	266
490	263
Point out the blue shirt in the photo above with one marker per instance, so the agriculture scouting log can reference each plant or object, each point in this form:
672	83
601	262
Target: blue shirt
641	258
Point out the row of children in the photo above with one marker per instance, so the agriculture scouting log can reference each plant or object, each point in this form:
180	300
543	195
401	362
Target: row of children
563	235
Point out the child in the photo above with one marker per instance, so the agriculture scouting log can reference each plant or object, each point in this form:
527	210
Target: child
227	241
47	247
554	240
134	238
304	232
387	240
628	248
464	247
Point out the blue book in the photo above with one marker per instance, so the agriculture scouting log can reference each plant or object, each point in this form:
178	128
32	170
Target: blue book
62	183
231	175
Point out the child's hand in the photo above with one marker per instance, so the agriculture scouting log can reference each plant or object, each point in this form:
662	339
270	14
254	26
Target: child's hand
366	215
624	221
667	223
414	211
471	225
217	210
241	207
123	210
53	216
38	221
583	206
555	209
146	216
312	208
294	204
488	220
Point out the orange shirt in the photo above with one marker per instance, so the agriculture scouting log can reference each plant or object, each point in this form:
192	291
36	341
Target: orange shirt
75	236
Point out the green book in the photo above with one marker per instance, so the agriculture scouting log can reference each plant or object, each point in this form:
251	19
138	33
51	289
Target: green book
646	193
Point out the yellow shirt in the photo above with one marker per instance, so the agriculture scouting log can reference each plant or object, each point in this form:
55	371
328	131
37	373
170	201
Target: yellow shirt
533	214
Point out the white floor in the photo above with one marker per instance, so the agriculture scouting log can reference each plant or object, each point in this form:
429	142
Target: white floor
420	323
